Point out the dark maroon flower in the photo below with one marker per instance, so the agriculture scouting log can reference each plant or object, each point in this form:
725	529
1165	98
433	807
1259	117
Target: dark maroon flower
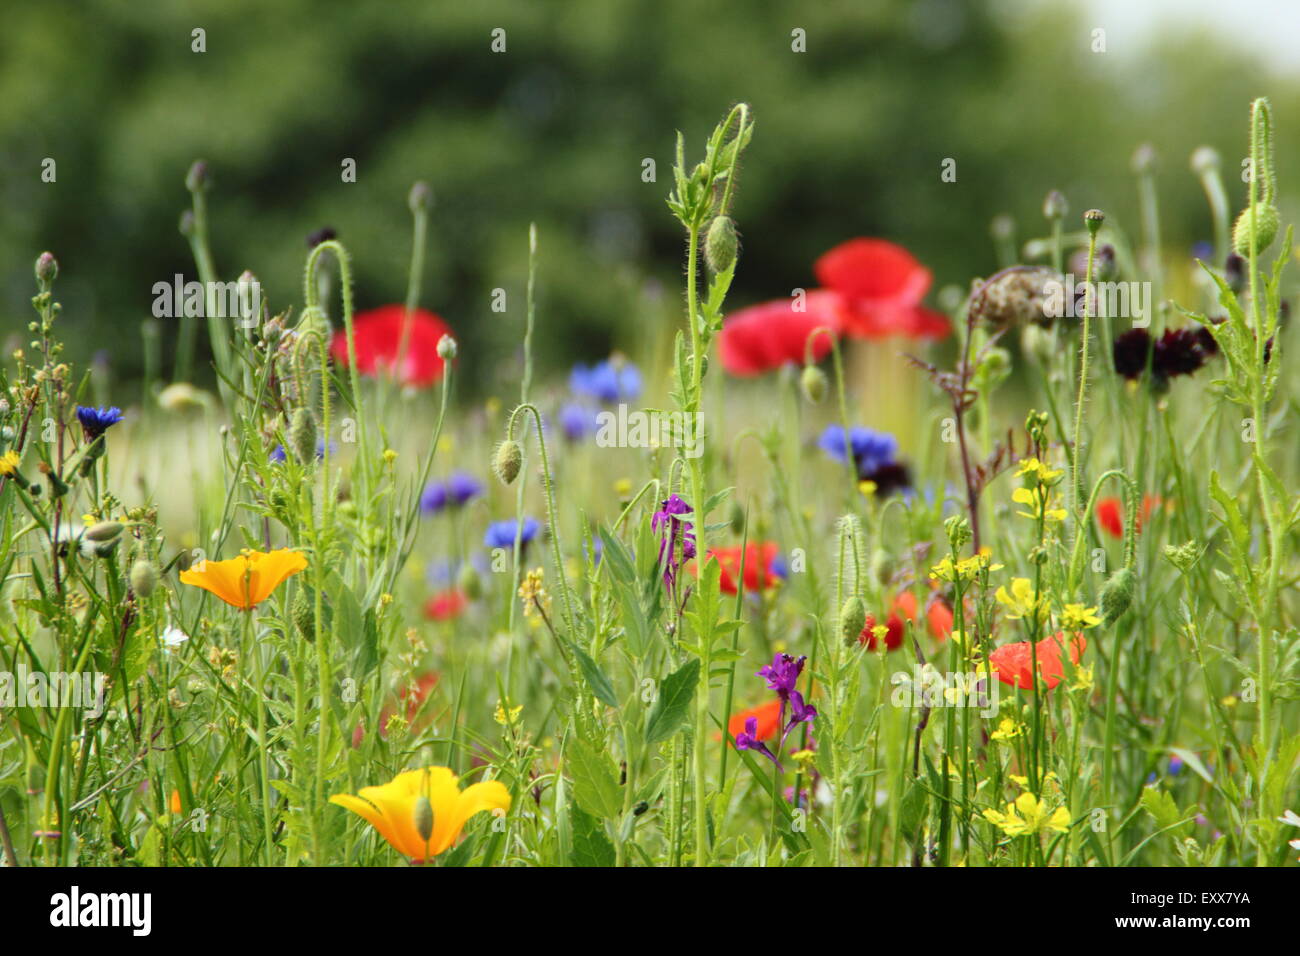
1130	351
1178	352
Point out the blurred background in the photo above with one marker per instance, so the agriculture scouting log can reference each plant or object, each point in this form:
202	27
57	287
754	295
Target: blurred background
851	136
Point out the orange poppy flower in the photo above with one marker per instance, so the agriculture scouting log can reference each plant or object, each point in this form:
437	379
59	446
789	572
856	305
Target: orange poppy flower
1110	514
759	574
1013	662
248	580
938	618
767	714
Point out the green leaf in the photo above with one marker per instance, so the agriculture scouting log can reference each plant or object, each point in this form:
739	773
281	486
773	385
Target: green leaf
673	704
596	679
595	787
591	847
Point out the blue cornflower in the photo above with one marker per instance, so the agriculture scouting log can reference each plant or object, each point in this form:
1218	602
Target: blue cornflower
278	452
501	534
459	488
871	449
577	420
607	381
96	421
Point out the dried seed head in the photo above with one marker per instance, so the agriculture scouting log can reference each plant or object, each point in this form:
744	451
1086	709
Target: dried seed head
1017	296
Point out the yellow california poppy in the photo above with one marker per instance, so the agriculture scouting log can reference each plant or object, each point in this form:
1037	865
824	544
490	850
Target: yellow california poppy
248	580
421	812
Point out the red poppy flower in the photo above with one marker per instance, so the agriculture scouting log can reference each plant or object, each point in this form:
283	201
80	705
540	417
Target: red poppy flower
378	335
767	714
938	619
1110	514
764	337
1013	662
882	285
445	605
758	567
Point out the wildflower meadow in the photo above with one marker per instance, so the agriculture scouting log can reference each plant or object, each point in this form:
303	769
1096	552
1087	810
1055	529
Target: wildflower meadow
889	570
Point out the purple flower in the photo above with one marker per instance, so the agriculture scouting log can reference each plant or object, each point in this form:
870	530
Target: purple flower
749	741
673	529
782	675
96	421
278	453
873	456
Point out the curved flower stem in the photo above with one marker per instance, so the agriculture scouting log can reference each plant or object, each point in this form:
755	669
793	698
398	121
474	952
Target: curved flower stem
552	518
250	644
1080	520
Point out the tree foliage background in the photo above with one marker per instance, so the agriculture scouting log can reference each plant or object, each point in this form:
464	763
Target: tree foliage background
850	140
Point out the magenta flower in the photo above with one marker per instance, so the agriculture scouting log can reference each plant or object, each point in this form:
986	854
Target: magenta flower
673	531
749	741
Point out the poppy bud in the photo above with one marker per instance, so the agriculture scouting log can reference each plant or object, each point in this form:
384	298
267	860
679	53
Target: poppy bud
469	582
1266	223
737	519
47	268
144	577
197	179
814	384
1054	206
1117	595
304	615
424	818
508	460
104	531
853	618
302	435
421	197
1205	160
720	245
446	348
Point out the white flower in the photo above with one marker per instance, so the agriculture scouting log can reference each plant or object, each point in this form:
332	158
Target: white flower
174	637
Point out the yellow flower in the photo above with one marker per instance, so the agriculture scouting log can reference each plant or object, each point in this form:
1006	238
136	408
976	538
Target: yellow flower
500	715
9	462
1039	501
248	580
1021	600
1075	617
1040	471
1007	729
1028	815
964	570
867	487
421	812
1082	678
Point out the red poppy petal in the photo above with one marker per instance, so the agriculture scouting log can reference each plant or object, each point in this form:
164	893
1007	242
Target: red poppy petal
873	270
379	335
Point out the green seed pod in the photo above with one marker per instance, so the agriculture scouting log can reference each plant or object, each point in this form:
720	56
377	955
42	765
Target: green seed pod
144	577
814	384
304	614
508	460
302	435
720	245
1266	225
103	531
1117	595
853	618
424	818
469	582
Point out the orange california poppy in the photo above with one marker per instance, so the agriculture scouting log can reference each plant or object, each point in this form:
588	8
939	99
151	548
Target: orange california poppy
1013	662
248	580
422	812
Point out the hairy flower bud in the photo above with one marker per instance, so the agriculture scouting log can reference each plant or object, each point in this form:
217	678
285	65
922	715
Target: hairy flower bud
104	531
814	384
1265	230
302	435
720	245
197	179
853	618
1117	595
446	348
47	268
144	577
304	614
508	460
